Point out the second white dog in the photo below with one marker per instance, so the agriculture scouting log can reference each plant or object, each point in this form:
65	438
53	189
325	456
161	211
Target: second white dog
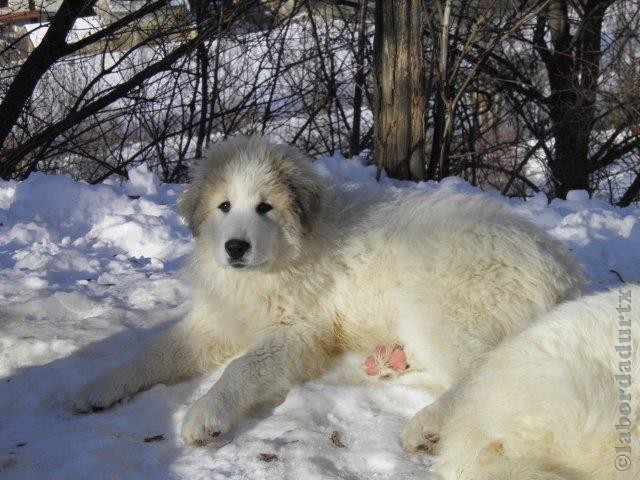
560	401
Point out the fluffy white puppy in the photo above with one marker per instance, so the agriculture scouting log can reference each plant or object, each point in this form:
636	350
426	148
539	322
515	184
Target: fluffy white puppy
289	271
560	401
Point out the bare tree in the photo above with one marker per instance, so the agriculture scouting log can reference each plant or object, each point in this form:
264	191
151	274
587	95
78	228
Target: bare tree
400	101
53	47
573	66
514	96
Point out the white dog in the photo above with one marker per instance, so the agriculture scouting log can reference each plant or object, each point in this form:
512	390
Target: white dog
290	271
559	401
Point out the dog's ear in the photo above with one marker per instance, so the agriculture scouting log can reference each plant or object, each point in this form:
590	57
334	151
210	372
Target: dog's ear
189	204
307	199
297	174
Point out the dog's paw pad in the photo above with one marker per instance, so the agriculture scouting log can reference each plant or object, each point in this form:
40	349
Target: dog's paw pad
432	437
385	361
430	440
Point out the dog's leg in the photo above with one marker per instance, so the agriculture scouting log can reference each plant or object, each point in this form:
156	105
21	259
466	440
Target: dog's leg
183	351
422	432
264	375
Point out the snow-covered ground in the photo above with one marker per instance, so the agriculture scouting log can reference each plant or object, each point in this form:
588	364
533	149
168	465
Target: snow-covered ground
87	272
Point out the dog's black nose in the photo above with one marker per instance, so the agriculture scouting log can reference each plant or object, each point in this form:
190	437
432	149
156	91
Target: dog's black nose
236	248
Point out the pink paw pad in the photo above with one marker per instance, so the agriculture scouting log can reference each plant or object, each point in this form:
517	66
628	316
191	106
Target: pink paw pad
386	358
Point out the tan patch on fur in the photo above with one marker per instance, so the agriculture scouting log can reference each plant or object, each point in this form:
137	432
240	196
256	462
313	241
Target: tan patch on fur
333	345
302	194
198	200
490	451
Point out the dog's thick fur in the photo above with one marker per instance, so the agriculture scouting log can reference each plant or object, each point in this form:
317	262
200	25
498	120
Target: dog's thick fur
546	405
448	276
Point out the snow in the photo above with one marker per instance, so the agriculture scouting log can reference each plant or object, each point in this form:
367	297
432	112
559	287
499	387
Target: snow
36	32
89	271
577	196
82	28
141	182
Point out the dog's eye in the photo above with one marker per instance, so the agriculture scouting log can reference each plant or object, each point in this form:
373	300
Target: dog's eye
263	208
225	206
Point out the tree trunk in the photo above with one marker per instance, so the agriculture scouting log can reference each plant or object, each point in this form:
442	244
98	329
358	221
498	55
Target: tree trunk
400	98
445	112
573	66
632	193
359	79
202	55
570	163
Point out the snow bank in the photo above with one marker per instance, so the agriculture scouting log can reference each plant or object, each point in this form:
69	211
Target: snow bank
89	271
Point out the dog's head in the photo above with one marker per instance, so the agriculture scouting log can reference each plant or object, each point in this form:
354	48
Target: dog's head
252	202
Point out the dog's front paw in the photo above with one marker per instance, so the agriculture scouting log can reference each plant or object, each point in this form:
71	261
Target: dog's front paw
206	420
422	433
100	393
386	361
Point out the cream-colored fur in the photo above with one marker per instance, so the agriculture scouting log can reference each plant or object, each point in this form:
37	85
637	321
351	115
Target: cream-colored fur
448	276
547	404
